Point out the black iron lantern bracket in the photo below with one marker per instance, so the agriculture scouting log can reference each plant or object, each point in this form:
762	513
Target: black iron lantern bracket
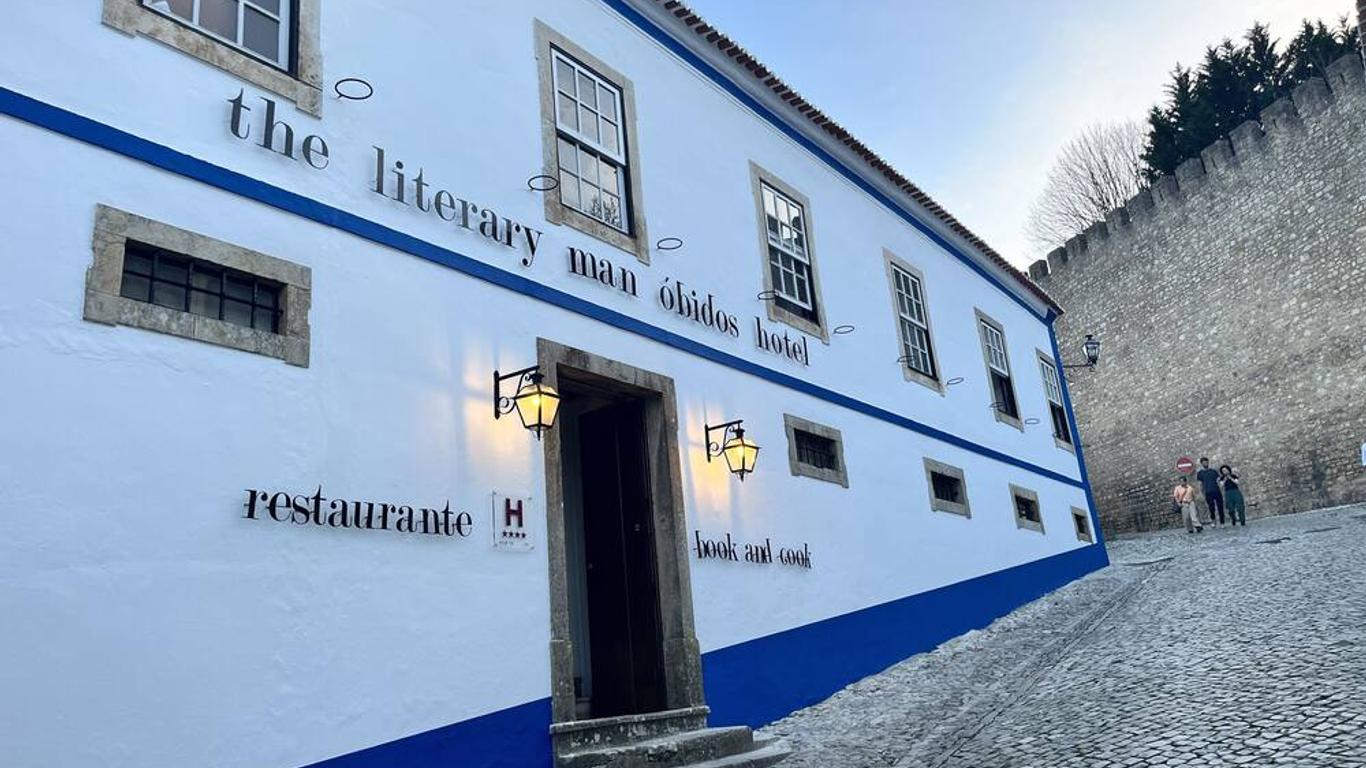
728	429
502	404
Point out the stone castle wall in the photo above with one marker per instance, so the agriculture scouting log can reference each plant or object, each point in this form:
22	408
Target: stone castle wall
1231	302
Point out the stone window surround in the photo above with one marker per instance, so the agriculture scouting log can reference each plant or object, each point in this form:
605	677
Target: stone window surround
839	476
758	176
891	261
1020	522
1047	358
104	279
1000	415
941	505
303	85
637	241
1082	522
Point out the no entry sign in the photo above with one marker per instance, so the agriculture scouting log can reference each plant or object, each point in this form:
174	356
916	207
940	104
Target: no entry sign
1184	465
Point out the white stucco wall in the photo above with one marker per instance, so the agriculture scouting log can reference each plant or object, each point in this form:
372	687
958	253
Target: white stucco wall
149	624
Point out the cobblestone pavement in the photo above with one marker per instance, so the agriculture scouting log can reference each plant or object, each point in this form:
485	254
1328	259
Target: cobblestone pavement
1233	647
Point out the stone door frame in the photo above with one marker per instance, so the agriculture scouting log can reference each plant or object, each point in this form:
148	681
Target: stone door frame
682	656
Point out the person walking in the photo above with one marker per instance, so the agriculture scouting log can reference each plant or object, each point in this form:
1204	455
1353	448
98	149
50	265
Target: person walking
1233	496
1209	485
1183	496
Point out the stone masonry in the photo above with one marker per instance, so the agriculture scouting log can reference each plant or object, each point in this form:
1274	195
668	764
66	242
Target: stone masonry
1231	302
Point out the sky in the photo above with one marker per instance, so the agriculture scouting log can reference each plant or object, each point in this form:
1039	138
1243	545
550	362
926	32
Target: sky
972	99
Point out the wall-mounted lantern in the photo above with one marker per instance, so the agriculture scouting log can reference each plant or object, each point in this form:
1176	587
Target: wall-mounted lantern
536	402
1090	348
739	451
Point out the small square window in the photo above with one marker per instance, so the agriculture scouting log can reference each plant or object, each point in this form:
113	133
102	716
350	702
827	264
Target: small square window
815	450
948	488
1028	514
1082	522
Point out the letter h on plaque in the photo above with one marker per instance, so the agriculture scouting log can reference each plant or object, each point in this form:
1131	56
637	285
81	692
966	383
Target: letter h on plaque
510	529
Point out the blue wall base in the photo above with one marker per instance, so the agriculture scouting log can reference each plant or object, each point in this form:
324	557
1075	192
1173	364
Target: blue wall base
757	682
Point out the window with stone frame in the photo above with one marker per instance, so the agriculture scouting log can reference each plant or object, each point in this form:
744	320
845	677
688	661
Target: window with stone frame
259	27
1082	522
591	143
913	323
1028	514
157	277
948	488
789	261
1052	387
1003	401
815	450
273	44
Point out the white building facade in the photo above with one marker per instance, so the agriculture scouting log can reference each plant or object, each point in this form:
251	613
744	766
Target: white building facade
263	260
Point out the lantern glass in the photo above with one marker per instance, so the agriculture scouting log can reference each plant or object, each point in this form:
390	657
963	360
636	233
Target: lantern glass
1092	349
537	405
740	453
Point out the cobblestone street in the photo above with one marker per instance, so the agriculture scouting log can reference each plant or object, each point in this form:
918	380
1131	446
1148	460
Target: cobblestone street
1238	646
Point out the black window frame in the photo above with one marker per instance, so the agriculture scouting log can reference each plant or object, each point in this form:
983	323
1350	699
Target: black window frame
215	287
816	451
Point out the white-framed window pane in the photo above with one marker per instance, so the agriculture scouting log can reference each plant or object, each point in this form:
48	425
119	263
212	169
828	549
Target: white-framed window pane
1052	387
609	136
607	102
564	76
219	17
271	6
996	349
569	189
588	124
261	33
182	8
588	91
566	112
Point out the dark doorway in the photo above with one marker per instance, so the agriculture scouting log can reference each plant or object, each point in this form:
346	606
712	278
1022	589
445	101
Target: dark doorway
617	613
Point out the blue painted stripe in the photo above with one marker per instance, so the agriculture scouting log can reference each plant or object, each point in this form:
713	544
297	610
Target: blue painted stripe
107	137
516	737
757	682
1076	433
761	680
725	83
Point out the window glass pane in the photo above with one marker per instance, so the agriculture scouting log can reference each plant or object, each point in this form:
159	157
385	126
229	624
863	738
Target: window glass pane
569	157
607	103
609	136
206	277
261	33
609	177
569	189
182	8
265	296
136	287
588	167
168	295
172	270
205	304
564	76
567	114
270	5
237	312
588	123
219	17
588	93
264	320
135	261
238	288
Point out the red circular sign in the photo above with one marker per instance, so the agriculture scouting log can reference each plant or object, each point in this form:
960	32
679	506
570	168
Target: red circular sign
1185	465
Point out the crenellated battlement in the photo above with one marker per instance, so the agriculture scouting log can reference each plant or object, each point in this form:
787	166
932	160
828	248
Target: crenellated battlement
1223	167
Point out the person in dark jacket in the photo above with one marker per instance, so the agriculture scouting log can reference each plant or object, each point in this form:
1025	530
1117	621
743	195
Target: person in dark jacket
1209	485
1233	496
